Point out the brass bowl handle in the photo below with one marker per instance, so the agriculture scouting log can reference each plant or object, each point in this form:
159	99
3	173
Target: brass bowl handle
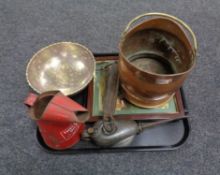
182	23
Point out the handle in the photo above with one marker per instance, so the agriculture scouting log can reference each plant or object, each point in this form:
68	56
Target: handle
110	98
30	99
182	23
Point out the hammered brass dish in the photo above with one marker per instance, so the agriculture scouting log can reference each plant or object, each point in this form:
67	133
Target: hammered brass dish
64	66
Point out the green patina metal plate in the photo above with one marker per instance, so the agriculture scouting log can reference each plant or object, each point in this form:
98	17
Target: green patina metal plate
123	107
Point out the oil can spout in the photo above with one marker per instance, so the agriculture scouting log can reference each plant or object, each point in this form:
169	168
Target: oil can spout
123	135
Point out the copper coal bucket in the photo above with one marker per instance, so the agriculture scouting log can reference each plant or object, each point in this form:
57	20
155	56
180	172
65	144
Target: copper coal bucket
156	57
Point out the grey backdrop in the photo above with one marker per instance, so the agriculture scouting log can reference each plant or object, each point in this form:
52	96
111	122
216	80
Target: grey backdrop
28	25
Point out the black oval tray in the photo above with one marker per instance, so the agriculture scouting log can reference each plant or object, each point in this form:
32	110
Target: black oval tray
165	137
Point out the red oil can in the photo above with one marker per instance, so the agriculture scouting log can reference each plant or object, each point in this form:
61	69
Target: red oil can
59	118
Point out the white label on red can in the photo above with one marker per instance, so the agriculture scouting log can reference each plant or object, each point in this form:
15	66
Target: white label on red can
69	131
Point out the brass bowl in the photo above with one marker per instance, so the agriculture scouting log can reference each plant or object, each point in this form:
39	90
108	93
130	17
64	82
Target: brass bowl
64	66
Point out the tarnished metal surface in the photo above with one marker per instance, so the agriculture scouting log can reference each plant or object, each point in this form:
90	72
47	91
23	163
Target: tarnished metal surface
64	66
156	57
125	129
125	133
151	63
